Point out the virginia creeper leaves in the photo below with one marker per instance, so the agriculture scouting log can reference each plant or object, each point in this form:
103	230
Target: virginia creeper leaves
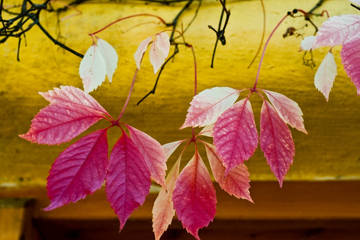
194	196
208	105
235	134
325	75
276	141
351	60
128	179
79	170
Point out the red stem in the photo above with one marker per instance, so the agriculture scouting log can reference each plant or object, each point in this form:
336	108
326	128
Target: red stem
136	15
263	53
128	97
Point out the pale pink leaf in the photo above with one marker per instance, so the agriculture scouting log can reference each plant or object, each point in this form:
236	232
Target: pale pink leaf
110	57
92	69
194	196
59	123
235	134
236	183
276	141
157	57
162	43
337	30
73	96
288	110
163	210
307	43
152	152
169	148
138	56
351	60
208	105
127	180
208	130
79	170
325	75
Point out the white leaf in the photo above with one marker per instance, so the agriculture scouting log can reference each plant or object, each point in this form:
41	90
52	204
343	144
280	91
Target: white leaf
140	51
92	69
325	75
307	43
163	43
157	57
110	56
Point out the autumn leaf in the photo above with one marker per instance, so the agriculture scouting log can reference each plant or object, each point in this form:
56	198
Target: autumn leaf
276	141
235	134
237	181
110	57
307	43
79	170
325	75
127	180
169	148
194	196
139	54
351	60
208	105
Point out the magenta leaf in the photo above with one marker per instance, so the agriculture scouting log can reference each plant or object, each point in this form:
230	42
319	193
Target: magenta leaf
127	180
169	148
59	123
152	152
163	210
208	105
351	60
276	141
194	196
139	54
235	134
236	183
325	75
288	110
110	57
72	95
92	69
337	30
79	170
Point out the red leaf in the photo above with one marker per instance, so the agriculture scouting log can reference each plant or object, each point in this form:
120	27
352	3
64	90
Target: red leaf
79	170
163	210
236	182
337	30
152	152
235	134
208	105
194	196
128	179
325	75
288	110
59	123
276	141
351	60
72	95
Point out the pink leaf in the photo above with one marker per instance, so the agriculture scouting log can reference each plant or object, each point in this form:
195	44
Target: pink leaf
208	105
140	51
208	130
128	179
194	196
157	57
169	148
59	123
152	152
337	30
110	57
235	134
72	95
79	170
163	210
236	182
288	110
276	141
307	43
325	75
351	60
92	69
162	43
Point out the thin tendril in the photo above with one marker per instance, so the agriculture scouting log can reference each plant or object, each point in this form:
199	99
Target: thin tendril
128	97
263	33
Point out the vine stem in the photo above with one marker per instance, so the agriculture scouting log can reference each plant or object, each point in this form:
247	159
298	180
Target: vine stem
263	53
124	18
195	66
128	97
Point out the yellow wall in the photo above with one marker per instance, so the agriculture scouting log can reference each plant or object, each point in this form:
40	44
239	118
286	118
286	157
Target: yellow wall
330	151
